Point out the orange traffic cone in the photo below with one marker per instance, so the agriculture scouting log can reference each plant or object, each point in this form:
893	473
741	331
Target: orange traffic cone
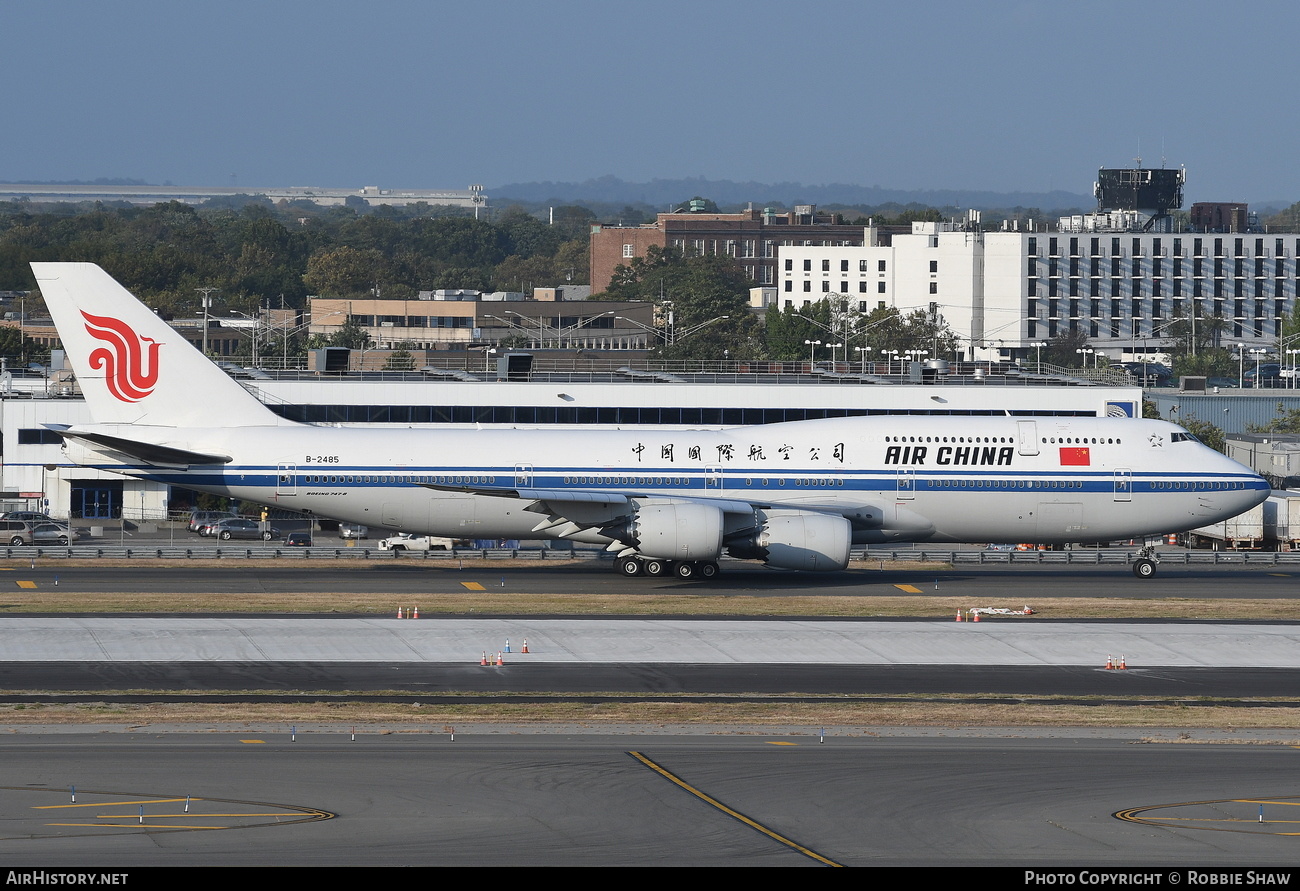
415	613
483	661
525	645
1110	662
1123	663
399	613
499	662
959	618
977	616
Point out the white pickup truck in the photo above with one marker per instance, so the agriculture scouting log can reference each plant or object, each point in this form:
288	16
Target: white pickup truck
404	542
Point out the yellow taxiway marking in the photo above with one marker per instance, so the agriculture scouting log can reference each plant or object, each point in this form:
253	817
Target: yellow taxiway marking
182	816
253	741
26	584
777	742
910	589
49	807
673	778
135	826
474	586
1217	823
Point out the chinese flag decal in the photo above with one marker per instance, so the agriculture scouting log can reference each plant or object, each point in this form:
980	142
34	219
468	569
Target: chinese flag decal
1075	457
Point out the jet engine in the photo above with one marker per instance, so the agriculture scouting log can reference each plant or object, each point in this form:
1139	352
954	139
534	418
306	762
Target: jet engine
680	531
797	540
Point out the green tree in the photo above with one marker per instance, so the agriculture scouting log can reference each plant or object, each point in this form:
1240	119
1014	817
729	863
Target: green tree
344	271
1206	432
705	303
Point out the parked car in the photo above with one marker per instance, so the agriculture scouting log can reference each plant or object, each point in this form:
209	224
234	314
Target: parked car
1000	547
55	533
28	516
15	532
353	530
238	527
298	540
1268	374
201	518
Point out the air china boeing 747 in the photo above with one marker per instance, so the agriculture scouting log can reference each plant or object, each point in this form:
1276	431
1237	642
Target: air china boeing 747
795	495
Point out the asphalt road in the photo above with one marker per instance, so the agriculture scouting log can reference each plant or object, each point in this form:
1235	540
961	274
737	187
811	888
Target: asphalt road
1019	583
538	800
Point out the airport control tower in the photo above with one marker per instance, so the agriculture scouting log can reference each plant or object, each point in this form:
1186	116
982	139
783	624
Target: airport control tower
1151	193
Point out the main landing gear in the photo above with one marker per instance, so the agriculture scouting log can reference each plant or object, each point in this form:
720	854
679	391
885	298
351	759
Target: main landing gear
1144	565
651	566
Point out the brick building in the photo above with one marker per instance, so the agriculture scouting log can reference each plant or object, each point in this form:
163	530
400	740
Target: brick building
752	237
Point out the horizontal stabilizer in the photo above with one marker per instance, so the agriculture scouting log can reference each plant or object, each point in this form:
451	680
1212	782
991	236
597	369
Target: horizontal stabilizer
148	452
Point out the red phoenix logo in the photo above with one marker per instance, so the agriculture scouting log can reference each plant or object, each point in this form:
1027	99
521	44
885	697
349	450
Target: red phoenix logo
129	375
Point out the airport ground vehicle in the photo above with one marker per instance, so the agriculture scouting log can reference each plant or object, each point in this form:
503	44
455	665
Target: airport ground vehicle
406	542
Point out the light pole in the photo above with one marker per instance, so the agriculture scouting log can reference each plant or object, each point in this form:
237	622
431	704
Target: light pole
862	356
1084	352
889	360
1241	364
834	347
1258	353
1291	354
256	324
1038	345
207	304
812	347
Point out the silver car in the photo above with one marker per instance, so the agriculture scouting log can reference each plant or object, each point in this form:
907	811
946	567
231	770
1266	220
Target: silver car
55	533
238	527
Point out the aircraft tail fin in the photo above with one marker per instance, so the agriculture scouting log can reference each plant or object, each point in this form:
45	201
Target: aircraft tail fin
132	366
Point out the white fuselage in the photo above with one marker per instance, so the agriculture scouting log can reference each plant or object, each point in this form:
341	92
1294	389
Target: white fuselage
895	478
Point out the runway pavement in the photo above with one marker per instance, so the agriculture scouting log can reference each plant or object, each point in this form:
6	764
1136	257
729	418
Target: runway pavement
258	798
660	641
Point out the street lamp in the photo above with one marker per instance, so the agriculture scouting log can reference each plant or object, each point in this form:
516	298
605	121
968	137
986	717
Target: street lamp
812	346
1258	353
889	360
1084	352
834	347
207	304
862	356
1038	345
1241	364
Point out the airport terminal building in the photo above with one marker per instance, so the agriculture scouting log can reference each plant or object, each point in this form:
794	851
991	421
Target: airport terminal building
34	475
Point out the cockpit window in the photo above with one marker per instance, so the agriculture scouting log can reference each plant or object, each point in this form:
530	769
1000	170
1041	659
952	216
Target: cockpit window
1183	437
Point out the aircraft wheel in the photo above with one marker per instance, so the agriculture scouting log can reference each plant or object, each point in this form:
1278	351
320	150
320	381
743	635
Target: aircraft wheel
1144	568
656	567
630	567
708	570
685	570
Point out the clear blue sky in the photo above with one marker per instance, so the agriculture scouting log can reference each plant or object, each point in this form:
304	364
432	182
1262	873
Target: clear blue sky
997	94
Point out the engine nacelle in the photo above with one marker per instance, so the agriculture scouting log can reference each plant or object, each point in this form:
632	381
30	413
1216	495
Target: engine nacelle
676	531
798	540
